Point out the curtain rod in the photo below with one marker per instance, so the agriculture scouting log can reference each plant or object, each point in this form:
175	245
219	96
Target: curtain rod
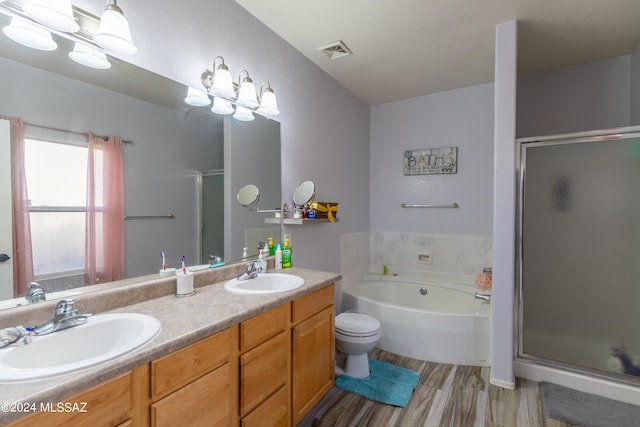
126	141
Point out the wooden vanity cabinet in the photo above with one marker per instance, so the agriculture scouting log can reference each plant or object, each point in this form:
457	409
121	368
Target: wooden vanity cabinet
264	369
267	371
313	350
193	386
114	403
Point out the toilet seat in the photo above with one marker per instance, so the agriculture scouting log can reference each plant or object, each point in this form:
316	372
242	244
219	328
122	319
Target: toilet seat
356	325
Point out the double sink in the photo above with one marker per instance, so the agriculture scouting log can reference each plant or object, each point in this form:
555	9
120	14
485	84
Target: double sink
106	336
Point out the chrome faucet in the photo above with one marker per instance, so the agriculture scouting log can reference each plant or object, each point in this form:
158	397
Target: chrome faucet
36	293
484	297
251	271
65	317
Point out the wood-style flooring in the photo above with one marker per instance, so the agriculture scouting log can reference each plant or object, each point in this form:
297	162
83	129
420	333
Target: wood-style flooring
447	395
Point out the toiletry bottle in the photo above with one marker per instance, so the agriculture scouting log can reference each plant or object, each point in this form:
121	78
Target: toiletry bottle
278	254
261	265
272	248
244	253
286	255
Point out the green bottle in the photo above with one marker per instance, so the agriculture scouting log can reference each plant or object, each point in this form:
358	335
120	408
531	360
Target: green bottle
272	248
286	255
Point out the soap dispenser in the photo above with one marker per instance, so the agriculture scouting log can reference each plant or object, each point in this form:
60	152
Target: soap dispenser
286	255
261	264
272	248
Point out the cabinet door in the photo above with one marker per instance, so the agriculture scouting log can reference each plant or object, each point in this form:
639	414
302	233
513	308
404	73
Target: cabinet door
313	361
205	402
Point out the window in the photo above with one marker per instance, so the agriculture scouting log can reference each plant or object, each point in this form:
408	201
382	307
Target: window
56	183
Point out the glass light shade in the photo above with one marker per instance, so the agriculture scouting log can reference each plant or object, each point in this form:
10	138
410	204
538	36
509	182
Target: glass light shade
89	57
243	114
223	84
247	96
30	35
221	106
113	32
55	14
268	105
197	98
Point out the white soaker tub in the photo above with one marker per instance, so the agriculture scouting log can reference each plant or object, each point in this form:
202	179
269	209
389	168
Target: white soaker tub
447	325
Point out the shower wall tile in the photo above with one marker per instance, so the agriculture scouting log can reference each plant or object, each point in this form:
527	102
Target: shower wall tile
354	251
450	253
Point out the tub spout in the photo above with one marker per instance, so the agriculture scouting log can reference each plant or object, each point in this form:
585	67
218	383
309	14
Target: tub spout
484	297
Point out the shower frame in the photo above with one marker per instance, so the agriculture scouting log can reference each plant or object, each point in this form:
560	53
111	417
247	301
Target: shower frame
522	358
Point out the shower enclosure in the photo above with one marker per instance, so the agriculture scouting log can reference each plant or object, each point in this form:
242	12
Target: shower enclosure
579	253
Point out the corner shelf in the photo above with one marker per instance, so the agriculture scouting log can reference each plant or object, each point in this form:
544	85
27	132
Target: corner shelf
298	221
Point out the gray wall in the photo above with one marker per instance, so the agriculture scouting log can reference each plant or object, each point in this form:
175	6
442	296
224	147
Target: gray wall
583	97
159	167
324	128
461	118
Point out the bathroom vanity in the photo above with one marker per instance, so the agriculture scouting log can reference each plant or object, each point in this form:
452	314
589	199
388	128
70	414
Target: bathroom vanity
220	359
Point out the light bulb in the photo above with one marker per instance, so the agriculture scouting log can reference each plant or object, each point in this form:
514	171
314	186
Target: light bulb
243	114
221	106
197	98
89	57
30	35
113	32
55	14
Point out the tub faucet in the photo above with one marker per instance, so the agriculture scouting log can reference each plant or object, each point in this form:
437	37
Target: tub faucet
65	317
251	272
36	293
484	297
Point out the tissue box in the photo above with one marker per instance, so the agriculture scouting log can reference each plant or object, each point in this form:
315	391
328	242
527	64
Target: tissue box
325	210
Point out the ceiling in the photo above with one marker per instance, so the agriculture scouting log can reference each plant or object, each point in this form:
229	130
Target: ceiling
410	48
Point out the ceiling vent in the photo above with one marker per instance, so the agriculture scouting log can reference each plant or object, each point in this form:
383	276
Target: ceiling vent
335	50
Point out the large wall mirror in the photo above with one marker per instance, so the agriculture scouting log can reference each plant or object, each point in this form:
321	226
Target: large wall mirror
182	169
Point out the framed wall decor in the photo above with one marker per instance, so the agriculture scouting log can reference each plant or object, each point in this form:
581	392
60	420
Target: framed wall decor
429	161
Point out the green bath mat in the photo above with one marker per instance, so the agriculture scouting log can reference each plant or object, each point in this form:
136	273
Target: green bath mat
387	384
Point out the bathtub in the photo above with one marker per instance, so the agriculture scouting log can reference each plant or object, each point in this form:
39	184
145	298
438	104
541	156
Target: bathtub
446	325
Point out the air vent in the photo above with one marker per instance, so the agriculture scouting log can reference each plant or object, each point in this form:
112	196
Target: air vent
335	50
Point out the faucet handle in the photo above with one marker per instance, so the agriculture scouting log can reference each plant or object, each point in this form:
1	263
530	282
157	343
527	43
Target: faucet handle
64	306
36	293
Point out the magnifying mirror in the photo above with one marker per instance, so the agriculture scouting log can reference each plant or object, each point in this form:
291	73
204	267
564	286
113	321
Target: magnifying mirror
304	193
248	195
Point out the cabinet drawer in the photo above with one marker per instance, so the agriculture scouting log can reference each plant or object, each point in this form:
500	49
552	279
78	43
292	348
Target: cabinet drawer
260	328
183	366
263	370
107	404
312	303
205	402
271	413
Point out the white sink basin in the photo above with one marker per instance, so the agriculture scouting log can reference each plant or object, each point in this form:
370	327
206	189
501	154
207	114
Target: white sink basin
267	283
102	338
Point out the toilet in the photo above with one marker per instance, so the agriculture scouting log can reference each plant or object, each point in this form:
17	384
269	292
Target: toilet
356	335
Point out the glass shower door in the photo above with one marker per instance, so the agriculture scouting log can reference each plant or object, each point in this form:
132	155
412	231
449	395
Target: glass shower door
579	261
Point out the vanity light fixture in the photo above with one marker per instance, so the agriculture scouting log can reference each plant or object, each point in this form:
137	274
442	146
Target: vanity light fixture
268	105
243	114
55	14
221	106
247	96
197	98
218	82
89	56
113	33
30	35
